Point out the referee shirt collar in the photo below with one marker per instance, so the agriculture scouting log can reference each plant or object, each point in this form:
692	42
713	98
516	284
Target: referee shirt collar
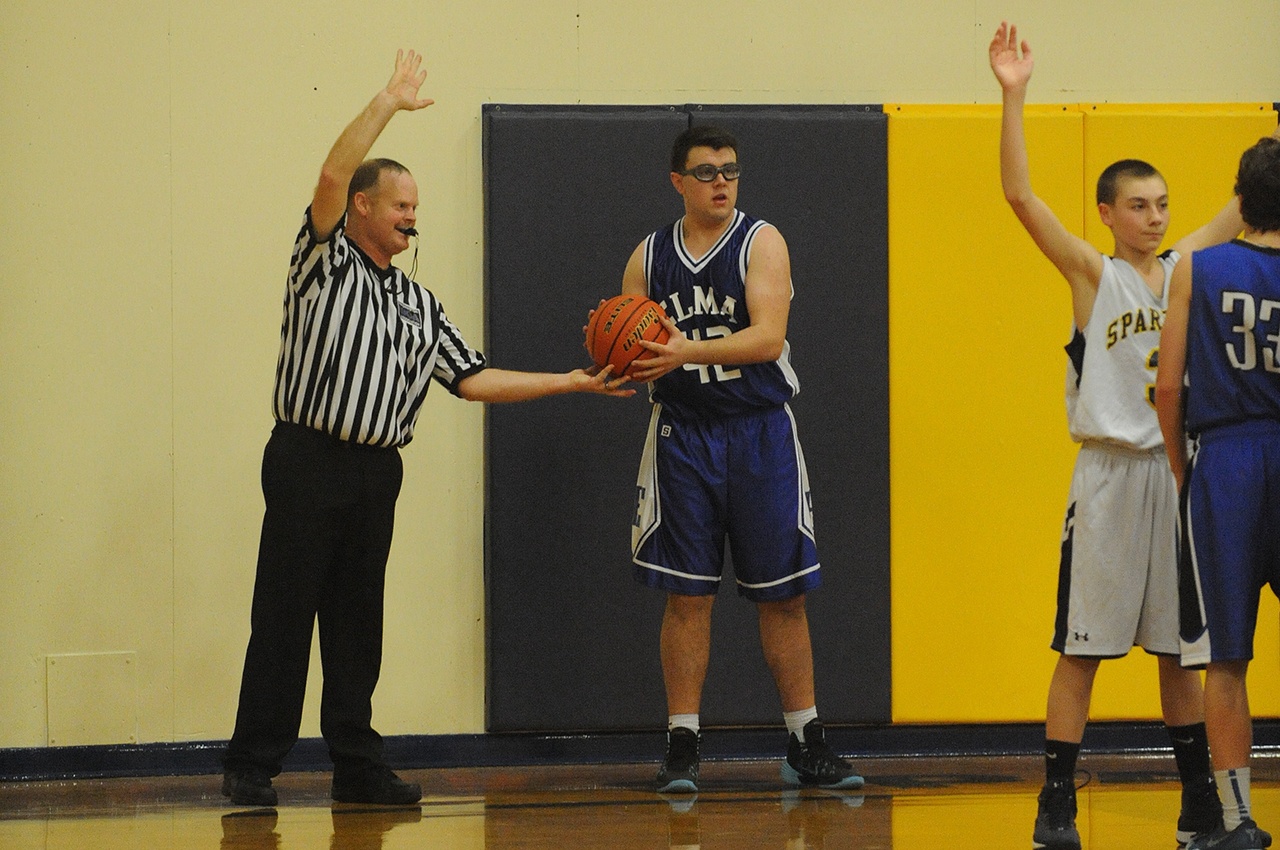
387	276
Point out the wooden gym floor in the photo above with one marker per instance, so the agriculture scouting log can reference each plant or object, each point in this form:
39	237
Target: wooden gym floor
1129	803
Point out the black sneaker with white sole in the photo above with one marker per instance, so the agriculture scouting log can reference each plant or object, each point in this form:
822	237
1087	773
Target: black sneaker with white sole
1201	809
815	763
679	771
1056	817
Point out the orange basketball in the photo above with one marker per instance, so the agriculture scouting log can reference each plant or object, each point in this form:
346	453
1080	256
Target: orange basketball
618	325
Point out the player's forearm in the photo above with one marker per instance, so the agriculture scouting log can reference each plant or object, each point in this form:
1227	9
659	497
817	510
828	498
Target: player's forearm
753	344
1224	226
1015	170
1172	427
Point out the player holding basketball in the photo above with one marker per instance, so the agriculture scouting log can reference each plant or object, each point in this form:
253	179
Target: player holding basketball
360	345
1117	585
722	458
1222	334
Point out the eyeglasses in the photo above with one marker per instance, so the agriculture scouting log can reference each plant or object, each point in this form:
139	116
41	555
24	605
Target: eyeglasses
706	172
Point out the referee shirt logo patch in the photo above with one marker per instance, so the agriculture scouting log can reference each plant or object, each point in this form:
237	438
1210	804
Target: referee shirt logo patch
412	315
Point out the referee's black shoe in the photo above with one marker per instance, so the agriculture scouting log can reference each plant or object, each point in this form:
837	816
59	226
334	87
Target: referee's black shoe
373	784
1056	818
248	787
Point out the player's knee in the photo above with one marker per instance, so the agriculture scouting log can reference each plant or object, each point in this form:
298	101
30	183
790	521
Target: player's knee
689	607
792	607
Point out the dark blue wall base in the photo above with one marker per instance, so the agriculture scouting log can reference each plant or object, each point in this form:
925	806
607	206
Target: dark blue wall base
442	751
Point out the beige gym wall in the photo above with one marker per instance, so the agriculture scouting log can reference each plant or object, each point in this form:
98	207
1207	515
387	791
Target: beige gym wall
157	157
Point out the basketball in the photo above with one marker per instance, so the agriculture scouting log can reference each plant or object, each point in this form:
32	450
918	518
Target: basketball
618	325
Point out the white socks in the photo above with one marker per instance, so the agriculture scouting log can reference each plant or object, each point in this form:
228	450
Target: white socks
688	721
1233	788
796	720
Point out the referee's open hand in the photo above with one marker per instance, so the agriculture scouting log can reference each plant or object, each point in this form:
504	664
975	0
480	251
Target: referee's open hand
406	80
596	380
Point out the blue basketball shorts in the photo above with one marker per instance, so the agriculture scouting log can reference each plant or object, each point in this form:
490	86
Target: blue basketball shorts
1230	540
742	479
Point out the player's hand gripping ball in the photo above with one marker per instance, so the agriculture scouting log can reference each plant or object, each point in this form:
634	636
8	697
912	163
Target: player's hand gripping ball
616	328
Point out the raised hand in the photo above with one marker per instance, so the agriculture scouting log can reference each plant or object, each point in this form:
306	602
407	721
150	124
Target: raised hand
1011	70
406	80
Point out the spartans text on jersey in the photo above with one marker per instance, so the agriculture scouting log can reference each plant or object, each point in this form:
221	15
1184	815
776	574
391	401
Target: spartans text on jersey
1134	321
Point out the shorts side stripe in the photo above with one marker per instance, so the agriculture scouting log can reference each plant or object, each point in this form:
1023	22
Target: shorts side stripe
783	580
1197	648
677	573
804	505
648	505
1064	581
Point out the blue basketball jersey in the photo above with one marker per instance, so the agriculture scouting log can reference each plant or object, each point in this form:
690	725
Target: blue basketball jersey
706	297
1233	336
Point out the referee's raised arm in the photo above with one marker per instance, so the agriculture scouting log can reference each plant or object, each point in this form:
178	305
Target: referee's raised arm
401	92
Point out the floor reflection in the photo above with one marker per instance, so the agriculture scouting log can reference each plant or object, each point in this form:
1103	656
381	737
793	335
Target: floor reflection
352	829
907	805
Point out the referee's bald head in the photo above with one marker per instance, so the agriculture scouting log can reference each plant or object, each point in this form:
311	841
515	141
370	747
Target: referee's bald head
368	173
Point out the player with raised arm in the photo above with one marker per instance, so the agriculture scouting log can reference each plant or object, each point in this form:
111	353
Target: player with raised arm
1117	585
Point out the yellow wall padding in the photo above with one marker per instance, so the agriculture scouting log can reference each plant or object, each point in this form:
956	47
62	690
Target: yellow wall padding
980	457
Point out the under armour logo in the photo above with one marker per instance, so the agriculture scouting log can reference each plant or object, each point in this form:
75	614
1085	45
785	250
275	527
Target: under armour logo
1081	636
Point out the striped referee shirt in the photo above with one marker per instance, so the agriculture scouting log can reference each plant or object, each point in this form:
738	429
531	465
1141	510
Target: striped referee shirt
359	345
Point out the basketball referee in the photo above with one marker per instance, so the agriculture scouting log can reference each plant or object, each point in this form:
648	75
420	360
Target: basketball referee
359	345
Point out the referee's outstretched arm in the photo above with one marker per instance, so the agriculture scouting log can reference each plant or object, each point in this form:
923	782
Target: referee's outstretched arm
497	385
351	148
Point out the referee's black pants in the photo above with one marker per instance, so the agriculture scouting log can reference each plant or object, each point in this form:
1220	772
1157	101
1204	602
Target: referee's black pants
330	508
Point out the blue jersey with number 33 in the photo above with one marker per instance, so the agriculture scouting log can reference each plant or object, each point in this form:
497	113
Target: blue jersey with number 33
706	297
1233	336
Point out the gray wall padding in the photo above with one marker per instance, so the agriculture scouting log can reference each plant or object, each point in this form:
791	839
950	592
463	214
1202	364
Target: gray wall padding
572	639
